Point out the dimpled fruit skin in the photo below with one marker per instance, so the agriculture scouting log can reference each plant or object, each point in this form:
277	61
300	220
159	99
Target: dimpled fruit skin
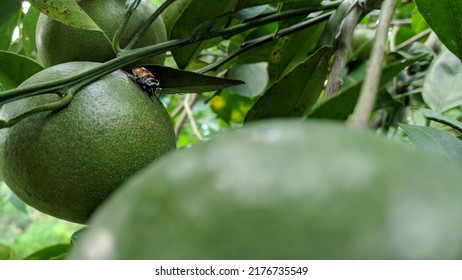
58	43
64	163
284	190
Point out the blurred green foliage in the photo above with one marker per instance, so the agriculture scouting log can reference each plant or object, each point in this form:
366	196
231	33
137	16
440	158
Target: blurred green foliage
25	230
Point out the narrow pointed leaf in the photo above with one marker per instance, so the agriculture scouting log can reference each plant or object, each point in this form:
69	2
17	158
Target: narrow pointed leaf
444	18
178	81
66	12
295	93
436	141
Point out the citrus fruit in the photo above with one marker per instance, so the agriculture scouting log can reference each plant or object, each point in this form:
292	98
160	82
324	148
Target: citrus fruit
58	43
65	162
284	190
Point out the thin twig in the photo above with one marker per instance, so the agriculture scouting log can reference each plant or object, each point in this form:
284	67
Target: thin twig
413	39
401	22
433	42
192	120
180	109
177	110
120	30
369	90
180	122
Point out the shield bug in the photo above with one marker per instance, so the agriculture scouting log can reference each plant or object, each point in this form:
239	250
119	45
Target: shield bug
145	80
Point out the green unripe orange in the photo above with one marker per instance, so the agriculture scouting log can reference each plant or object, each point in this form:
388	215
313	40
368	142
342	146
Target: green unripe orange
66	162
58	43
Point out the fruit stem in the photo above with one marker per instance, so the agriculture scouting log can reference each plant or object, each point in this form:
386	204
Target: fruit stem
128	57
131	6
145	25
61	103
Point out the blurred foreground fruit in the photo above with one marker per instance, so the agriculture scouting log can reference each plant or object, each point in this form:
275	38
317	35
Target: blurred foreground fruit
58	43
284	190
64	163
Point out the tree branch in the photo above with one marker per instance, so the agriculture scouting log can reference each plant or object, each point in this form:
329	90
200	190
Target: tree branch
369	90
341	48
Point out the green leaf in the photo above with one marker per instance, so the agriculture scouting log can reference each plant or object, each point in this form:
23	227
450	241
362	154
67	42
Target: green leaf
441	90
257	54
195	14
15	68
66	12
342	105
9	8
173	12
254	75
295	93
434	116
403	34
260	53
434	140
444	18
292	49
7	29
295	48
55	252
28	31
179	81
418	22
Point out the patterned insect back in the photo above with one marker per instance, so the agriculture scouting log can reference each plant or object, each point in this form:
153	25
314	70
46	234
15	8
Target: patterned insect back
145	80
